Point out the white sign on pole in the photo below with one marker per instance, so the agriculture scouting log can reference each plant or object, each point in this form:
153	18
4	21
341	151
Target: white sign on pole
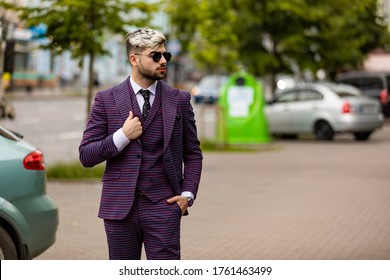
240	98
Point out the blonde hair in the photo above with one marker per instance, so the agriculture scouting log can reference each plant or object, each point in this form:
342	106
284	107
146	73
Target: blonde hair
144	38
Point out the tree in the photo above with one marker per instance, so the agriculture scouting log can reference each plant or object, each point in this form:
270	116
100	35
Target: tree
280	36
81	26
346	38
205	30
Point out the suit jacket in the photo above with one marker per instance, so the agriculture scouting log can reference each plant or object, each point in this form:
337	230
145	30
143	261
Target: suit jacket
182	156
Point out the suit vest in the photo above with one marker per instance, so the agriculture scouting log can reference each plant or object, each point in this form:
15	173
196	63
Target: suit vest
152	180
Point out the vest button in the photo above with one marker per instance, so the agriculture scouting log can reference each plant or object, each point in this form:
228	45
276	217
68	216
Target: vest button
138	156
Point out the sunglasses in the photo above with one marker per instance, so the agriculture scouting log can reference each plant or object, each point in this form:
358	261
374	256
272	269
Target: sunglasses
156	56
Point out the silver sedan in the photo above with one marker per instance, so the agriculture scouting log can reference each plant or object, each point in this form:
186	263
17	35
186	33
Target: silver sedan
323	109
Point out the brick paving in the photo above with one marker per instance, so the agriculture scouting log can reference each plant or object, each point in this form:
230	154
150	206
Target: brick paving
291	200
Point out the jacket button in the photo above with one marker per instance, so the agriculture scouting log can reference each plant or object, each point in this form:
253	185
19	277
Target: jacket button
138	156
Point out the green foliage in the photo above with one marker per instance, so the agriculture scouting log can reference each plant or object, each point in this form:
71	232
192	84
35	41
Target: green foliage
74	170
80	26
280	36
205	29
185	17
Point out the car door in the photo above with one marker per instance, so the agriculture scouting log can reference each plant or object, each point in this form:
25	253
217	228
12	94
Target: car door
303	112
278	112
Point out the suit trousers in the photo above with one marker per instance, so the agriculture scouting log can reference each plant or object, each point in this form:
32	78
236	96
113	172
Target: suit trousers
156	225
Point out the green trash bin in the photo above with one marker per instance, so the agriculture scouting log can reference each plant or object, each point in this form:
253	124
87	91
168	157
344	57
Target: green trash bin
241	117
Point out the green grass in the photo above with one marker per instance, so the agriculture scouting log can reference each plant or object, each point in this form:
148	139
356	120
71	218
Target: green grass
74	170
208	146
215	147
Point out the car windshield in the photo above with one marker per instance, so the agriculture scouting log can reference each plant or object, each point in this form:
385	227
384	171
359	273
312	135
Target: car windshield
345	90
286	97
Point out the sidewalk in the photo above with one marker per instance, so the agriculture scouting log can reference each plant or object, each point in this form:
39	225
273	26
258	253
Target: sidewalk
46	92
304	200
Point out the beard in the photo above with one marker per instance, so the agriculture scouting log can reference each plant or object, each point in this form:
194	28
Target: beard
151	74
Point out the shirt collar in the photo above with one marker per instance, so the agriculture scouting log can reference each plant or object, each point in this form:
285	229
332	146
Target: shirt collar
136	87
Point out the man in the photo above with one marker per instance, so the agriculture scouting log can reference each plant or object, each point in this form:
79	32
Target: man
145	131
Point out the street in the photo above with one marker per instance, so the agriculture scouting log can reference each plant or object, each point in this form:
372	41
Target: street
55	124
290	199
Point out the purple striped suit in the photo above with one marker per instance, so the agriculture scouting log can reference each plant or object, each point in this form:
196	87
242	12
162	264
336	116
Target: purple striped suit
177	167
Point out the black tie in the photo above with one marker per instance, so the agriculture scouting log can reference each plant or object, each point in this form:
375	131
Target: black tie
145	109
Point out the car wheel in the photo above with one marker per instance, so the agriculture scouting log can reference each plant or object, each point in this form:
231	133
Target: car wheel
362	136
323	131
7	246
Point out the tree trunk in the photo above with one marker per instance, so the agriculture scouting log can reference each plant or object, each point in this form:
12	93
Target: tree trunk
90	82
273	83
2	43
52	56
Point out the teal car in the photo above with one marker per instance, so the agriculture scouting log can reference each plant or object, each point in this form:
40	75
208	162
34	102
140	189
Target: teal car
28	217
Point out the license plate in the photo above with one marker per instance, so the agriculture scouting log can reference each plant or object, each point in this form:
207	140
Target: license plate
368	109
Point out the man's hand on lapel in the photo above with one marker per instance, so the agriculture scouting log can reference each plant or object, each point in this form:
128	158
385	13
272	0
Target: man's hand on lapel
132	127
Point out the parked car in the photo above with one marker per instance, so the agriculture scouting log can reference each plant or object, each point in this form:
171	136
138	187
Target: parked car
372	84
323	109
28	217
208	89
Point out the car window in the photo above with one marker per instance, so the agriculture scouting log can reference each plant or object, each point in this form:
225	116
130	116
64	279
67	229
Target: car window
365	83
346	94
308	95
286	97
388	82
7	134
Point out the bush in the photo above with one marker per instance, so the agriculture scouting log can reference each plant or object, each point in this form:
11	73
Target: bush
74	170
209	146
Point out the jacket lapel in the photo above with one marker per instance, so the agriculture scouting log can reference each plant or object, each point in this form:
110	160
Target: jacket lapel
169	100
169	106
121	94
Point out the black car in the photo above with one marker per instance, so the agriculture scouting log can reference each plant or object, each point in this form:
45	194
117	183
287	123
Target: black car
372	84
